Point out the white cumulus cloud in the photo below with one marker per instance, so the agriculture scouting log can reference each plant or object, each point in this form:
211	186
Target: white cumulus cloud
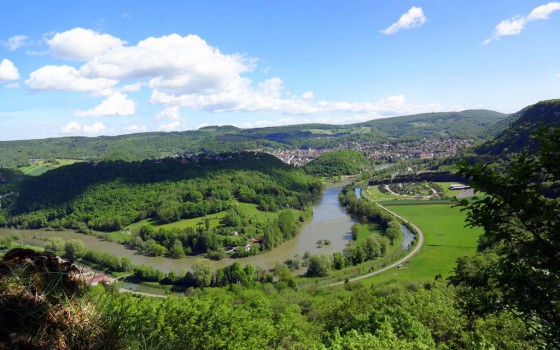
173	126
77	128
81	44
115	104
170	113
136	128
66	78
94	128
15	42
185	71
516	24
8	71
412	19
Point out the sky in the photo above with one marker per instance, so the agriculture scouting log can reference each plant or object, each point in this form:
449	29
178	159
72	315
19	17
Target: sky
90	68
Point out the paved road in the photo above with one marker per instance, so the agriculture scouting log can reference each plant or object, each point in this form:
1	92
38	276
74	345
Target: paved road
395	264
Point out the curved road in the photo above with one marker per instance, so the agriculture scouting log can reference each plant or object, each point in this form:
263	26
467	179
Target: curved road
395	264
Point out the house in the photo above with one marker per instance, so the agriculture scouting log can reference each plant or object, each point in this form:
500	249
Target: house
459	187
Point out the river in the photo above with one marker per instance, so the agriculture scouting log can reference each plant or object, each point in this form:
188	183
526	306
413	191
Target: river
330	222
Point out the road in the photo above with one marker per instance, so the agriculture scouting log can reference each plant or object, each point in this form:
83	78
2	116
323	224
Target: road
124	290
415	250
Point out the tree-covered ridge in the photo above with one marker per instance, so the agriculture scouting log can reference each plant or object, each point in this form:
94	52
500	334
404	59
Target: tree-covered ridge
467	124
110	195
517	267
517	137
48	306
343	162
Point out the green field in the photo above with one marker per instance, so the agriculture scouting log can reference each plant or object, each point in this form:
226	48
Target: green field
248	209
446	191
373	193
42	166
446	239
367	230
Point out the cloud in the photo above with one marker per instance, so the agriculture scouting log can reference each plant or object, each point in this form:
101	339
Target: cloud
81	44
66	78
115	104
412	19
308	95
8	71
135	87
185	71
94	128
71	127
136	128
173	126
170	113
76	128
16	41
516	24
12	85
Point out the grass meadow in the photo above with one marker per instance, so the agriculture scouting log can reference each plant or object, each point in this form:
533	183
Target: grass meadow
445	239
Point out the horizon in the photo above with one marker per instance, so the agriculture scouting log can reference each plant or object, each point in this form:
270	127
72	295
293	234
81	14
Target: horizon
111	69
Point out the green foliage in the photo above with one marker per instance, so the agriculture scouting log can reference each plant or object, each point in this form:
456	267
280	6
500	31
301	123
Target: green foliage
110	195
518	136
466	124
74	249
203	271
344	162
319	265
517	268
55	245
245	316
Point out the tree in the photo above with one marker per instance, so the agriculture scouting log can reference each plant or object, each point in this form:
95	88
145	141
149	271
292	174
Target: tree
74	248
393	230
55	245
126	264
177	251
203	271
320	265
355	230
517	267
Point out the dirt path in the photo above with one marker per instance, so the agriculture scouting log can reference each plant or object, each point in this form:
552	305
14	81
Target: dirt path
395	264
124	290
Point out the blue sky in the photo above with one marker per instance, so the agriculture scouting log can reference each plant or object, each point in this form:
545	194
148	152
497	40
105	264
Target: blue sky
116	67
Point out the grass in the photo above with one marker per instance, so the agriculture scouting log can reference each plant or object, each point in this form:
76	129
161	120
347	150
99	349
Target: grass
446	239
446	191
373	193
248	209
368	230
42	166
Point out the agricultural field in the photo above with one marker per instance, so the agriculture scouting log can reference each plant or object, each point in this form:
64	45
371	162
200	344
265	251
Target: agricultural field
41	166
446	239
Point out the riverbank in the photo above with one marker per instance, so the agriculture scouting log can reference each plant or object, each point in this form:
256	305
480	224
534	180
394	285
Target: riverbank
329	222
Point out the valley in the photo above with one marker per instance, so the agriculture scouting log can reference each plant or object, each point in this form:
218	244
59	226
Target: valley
319	243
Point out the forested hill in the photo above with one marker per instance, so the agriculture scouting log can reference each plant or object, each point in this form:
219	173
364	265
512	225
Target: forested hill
466	124
112	194
343	162
519	136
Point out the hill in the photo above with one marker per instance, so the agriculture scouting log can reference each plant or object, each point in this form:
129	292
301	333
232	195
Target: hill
218	139
112	194
343	162
518	136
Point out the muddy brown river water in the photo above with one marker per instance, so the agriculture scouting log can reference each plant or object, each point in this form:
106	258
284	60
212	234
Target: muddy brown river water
330	221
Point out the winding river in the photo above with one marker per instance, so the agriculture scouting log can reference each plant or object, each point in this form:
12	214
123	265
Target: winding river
330	222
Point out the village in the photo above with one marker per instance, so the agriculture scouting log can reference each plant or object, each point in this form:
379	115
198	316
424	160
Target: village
381	151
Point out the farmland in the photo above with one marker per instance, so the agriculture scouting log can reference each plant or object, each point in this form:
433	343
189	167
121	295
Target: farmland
446	239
